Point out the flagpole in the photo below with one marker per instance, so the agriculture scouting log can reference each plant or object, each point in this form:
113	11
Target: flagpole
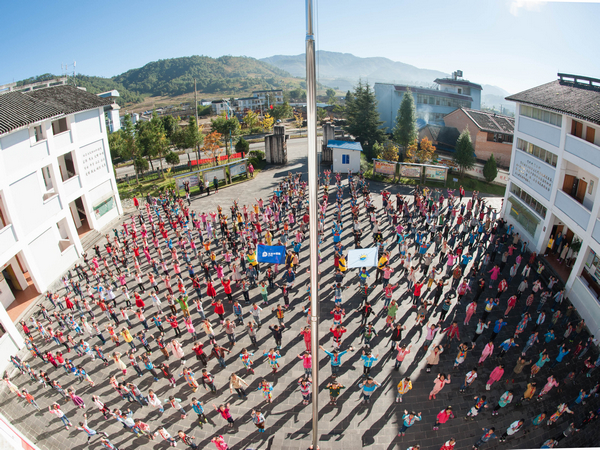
313	189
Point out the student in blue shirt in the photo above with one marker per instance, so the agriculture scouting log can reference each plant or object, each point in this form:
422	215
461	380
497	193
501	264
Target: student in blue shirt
336	359
368	387
368	359
500	323
408	420
562	352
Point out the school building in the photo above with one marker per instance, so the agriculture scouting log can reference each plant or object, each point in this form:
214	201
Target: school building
552	194
56	185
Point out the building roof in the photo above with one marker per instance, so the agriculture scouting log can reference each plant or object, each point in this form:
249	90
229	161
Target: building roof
267	90
579	97
435	92
457	82
443	135
344	145
490	122
19	109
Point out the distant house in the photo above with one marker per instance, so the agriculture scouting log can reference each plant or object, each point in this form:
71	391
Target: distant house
432	103
490	132
346	155
443	138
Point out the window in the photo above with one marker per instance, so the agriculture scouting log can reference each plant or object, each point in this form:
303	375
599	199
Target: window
345	159
528	200
38	133
500	138
538	152
540	114
459	90
59	126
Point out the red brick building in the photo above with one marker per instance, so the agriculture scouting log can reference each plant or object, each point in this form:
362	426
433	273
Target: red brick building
490	132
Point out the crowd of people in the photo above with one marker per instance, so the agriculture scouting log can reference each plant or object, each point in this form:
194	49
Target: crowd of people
174	291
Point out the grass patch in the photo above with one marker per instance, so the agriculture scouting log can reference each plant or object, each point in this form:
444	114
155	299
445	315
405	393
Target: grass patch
154	184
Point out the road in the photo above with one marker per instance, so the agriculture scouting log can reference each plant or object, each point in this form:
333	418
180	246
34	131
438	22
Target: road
183	159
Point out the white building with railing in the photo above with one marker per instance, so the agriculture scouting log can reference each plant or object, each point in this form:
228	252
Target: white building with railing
554	175
56	183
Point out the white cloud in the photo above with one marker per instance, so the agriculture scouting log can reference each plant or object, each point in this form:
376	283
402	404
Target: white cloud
534	5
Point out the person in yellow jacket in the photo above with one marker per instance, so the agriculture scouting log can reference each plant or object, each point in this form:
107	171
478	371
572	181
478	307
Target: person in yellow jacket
383	261
128	337
252	260
342	264
404	386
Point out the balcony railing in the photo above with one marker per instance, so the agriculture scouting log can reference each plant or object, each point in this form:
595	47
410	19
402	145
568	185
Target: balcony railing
63	139
7	238
583	149
72	186
573	209
540	130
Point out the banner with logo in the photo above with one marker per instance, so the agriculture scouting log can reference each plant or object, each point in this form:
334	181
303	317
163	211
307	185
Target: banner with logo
237	169
384	167
362	257
274	254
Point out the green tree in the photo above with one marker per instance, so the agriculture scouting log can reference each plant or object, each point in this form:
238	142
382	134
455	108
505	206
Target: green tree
171	125
160	142
204	110
363	120
282	111
172	158
298	95
321	114
228	128
405	130
464	155
490	169
242	145
331	96
250	119
116	144
130	149
192	136
140	165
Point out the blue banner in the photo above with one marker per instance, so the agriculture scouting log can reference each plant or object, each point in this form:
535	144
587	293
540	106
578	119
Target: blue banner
274	254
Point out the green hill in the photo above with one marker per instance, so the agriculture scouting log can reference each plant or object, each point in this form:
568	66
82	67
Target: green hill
175	76
227	75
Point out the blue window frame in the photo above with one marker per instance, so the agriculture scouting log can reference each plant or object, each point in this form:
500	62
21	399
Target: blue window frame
345	159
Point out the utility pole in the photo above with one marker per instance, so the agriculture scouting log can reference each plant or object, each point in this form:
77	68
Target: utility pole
313	228
196	110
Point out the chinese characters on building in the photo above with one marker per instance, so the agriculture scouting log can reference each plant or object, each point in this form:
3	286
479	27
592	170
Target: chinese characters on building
93	159
532	173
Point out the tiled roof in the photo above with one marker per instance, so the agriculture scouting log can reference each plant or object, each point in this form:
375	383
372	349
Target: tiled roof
576	99
444	135
345	145
491	122
18	109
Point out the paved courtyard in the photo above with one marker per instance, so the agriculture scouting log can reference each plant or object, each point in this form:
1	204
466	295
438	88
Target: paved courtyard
348	425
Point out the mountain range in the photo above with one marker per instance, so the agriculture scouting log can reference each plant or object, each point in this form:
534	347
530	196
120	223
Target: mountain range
237	76
342	70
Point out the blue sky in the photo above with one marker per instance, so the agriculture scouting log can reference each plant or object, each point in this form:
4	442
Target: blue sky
514	44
